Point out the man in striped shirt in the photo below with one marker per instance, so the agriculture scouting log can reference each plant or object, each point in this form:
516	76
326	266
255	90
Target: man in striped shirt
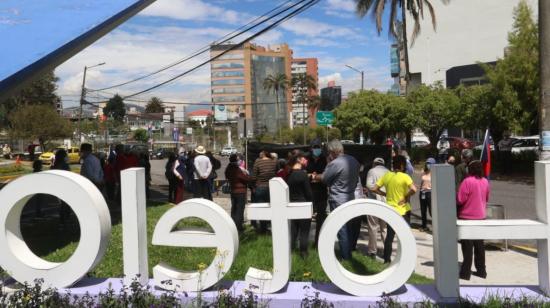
264	170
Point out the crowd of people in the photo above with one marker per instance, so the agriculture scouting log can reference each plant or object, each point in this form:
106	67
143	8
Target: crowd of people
328	177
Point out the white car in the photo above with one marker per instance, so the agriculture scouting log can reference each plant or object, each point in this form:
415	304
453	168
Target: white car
347	142
226	151
522	144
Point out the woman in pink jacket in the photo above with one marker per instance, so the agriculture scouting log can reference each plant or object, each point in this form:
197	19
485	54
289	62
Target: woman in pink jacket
473	195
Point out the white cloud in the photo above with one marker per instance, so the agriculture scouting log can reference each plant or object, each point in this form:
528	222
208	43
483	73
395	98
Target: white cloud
312	28
341	5
319	42
193	10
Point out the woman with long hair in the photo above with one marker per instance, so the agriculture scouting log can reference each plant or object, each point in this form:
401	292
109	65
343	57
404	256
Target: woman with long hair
473	196
299	191
426	193
238	180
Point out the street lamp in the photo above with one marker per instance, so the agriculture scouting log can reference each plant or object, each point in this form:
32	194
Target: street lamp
82	99
362	76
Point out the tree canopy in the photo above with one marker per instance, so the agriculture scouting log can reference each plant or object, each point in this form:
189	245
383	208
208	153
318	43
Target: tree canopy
39	122
115	108
155	105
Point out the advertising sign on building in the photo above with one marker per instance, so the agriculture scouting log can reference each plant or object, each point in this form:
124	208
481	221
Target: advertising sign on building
394	60
220	112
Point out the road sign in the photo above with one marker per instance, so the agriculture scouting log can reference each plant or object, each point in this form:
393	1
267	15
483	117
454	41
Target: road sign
325	118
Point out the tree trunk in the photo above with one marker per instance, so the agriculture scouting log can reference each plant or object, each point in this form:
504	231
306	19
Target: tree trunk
277	120
406	47
408	139
544	62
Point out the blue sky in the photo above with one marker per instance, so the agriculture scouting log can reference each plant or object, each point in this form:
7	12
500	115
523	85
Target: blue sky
169	30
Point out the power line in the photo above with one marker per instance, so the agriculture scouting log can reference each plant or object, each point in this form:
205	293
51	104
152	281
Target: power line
275	24
204	49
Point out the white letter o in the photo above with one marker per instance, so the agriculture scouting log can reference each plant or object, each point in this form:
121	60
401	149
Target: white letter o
386	281
93	216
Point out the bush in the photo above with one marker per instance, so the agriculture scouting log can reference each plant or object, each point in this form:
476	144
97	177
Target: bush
13	168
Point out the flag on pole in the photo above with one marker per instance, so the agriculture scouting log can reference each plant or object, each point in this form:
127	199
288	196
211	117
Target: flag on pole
486	155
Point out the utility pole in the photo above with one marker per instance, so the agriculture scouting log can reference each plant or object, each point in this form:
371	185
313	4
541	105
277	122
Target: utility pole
362	76
544	63
83	99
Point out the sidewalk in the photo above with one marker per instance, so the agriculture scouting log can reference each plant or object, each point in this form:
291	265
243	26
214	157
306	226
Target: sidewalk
503	267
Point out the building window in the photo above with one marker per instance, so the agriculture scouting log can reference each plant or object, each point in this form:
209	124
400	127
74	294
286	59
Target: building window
220	99
231	56
228	74
227	82
228	90
228	65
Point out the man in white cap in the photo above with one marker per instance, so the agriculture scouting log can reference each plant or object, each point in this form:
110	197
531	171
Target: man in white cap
203	168
375	224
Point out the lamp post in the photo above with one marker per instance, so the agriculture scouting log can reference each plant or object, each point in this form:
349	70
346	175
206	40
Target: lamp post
362	76
82	99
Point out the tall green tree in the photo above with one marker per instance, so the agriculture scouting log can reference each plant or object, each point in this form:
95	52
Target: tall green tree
39	92
303	83
155	105
115	108
515	78
38	122
141	135
437	109
367	112
276	84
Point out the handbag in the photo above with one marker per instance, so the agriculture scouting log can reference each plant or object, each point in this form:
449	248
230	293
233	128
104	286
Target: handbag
226	188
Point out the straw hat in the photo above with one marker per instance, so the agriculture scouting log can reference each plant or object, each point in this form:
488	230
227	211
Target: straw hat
200	150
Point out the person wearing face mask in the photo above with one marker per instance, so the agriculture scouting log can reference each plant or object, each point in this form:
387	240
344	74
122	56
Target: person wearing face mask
340	176
426	193
299	191
317	164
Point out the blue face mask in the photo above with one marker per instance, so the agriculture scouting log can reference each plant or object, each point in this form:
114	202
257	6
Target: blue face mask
316	152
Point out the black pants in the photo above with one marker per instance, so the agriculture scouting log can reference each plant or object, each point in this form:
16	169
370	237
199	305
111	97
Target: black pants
389	238
354	229
238	202
425	206
320	208
476	249
299	230
172	187
202	189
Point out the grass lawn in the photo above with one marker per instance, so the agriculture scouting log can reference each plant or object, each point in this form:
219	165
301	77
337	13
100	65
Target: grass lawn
254	250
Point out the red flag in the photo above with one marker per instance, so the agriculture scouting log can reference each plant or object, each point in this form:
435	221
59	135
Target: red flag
486	155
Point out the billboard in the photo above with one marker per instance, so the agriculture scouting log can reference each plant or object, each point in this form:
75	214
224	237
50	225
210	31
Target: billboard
220	112
394	60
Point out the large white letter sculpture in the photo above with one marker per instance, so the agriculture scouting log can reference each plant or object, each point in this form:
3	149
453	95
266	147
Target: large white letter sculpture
225	238
90	209
134	226
388	280
279	211
446	273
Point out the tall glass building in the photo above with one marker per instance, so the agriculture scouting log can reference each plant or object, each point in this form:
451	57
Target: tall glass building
237	79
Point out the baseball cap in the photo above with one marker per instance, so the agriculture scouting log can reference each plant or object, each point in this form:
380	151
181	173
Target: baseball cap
379	160
430	161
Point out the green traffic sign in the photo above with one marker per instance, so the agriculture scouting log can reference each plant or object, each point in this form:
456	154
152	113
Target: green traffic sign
325	118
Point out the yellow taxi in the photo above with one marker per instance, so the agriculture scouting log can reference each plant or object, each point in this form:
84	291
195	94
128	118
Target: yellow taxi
73	153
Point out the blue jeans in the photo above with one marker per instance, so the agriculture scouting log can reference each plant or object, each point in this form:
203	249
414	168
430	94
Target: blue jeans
344	236
261	195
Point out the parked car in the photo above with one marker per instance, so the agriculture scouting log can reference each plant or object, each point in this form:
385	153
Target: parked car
73	153
347	142
162	153
457	143
226	151
522	144
420	144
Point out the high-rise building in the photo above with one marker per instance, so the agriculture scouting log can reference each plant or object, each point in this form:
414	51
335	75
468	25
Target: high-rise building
331	97
237	83
301	112
459	44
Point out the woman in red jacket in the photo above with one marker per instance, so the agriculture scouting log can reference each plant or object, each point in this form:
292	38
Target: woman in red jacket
238	181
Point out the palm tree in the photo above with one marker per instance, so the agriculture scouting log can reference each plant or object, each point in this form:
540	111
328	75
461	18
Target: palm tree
313	103
303	83
414	7
276	83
